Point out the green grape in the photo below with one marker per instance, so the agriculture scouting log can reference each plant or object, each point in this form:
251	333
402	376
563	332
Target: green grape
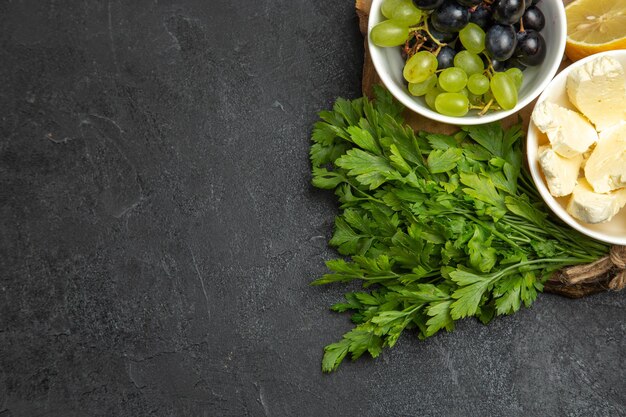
419	67
487	97
452	104
473	38
469	62
388	6
503	90
406	13
478	84
465	92
474	99
452	80
431	96
419	89
389	33
516	75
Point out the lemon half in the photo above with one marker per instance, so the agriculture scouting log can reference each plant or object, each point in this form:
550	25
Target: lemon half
595	26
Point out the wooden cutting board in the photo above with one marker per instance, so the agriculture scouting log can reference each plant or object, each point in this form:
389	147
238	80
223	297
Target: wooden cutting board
557	284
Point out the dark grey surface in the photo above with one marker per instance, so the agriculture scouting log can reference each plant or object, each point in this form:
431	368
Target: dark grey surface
158	232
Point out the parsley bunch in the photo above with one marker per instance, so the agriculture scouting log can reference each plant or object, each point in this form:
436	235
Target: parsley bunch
435	227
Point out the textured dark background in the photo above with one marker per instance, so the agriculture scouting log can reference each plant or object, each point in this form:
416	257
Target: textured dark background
158	231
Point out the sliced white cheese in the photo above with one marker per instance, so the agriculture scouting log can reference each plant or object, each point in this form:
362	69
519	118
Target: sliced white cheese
560	173
590	207
598	90
569	133
606	167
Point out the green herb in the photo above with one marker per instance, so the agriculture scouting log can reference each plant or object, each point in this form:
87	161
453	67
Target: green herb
437	228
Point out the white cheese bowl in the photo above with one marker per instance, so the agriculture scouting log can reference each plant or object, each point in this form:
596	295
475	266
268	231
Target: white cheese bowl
389	64
613	231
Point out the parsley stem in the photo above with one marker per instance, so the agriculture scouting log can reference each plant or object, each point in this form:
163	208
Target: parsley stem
526	231
522	238
574	240
367	196
562	261
550	231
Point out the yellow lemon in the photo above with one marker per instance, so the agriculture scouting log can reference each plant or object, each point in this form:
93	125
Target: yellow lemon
595	26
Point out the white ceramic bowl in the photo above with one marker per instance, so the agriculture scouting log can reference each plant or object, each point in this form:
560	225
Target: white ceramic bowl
389	64
613	231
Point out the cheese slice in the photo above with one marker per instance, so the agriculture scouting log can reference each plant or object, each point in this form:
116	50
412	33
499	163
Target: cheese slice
560	173
598	90
606	167
590	207
569	133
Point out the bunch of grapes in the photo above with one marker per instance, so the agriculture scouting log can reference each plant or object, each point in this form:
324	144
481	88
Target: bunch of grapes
464	54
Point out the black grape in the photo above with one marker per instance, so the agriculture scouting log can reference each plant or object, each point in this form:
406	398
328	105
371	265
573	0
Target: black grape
531	48
427	4
498	65
531	3
445	58
469	3
443	37
533	19
458	46
500	42
481	16
508	12
450	17
514	63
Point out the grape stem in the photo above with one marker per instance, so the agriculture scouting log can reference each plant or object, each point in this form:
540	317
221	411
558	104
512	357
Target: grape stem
486	108
425	27
521	25
420	41
481	106
490	70
409	51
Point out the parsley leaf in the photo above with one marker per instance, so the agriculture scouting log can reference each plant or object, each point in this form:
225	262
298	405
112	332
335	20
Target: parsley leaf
481	187
440	317
369	169
443	161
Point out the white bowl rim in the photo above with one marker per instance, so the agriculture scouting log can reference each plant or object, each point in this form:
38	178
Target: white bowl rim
376	55
554	205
